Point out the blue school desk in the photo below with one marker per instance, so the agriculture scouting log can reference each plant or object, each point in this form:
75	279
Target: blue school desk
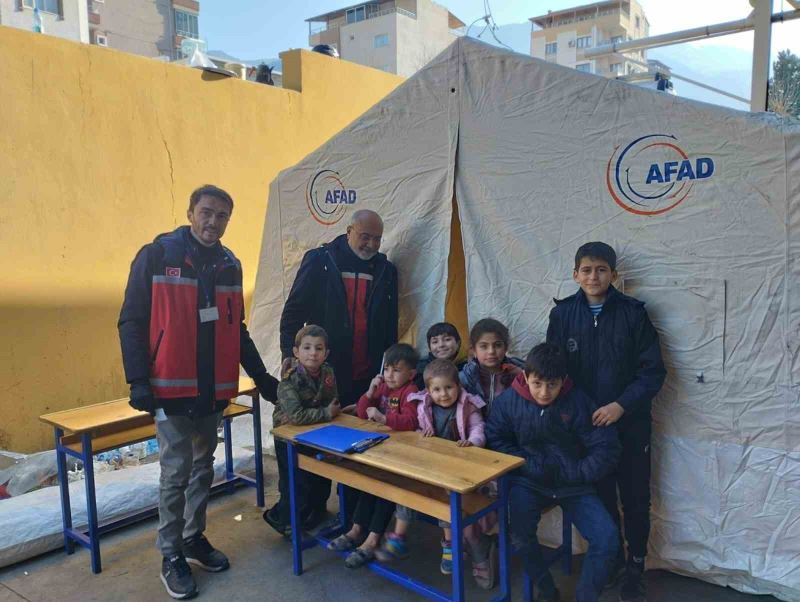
105	426
431	475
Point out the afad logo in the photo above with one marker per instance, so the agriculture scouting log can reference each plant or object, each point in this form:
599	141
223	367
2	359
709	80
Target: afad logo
653	174
327	197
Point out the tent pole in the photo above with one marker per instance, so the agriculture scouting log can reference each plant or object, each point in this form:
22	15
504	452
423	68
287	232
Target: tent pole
762	29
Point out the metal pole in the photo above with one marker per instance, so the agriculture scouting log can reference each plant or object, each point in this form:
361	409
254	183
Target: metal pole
687	35
762	30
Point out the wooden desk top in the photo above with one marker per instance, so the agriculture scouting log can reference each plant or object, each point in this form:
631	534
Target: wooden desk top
427	459
116	412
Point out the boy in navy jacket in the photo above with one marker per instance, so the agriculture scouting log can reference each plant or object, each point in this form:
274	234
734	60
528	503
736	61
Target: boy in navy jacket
548	422
613	354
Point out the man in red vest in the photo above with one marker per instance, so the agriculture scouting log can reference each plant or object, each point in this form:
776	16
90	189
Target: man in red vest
183	337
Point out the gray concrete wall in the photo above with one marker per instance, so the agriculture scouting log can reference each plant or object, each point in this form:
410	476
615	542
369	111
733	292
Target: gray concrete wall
71	25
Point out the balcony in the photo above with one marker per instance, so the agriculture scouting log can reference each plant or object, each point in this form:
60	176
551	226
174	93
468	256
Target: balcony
561	21
327	32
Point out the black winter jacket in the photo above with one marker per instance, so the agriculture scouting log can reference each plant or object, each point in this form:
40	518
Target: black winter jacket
318	297
564	454
615	357
134	321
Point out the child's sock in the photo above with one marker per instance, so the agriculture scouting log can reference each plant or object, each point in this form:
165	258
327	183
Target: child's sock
446	565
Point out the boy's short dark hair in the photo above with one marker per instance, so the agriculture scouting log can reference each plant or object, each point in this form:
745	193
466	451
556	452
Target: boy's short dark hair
440	368
213	191
596	250
401	352
311	330
489	326
441	328
546	361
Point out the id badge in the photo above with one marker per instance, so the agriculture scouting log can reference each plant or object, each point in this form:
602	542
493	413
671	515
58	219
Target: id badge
209	314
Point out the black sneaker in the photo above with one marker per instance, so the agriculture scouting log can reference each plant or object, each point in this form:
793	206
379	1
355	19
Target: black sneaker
177	577
271	519
633	586
198	551
314	519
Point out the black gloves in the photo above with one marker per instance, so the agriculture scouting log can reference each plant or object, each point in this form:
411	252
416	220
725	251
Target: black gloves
142	398
267	386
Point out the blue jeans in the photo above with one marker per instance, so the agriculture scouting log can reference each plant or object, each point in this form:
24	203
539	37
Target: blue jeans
593	523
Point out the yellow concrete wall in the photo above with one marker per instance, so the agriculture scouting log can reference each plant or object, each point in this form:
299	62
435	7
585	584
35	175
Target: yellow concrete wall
99	151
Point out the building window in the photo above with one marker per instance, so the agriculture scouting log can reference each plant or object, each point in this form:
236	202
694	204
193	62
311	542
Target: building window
47	6
382	40
585	67
638	22
100	40
615	68
584	42
186	24
354	15
551	48
616	40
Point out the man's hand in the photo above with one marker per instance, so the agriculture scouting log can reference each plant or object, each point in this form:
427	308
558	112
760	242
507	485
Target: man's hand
334	408
351	409
267	386
375	415
142	398
607	414
428	432
464	443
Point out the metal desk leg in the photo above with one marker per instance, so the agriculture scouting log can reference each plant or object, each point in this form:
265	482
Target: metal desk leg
63	486
226	429
258	449
456	536
297	536
91	502
504	544
342	506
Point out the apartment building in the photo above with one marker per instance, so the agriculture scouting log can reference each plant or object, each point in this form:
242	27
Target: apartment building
397	36
562	36
153	28
62	18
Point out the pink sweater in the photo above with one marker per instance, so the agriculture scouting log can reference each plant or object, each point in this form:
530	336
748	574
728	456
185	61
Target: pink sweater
469	418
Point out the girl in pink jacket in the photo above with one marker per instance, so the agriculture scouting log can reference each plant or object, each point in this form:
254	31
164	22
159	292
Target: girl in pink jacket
446	410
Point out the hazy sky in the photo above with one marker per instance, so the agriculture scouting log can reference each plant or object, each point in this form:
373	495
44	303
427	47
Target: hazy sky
264	28
255	29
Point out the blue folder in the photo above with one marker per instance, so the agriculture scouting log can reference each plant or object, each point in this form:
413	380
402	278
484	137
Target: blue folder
340	439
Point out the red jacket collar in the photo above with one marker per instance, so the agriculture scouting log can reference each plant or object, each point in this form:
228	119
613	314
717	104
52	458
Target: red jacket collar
520	385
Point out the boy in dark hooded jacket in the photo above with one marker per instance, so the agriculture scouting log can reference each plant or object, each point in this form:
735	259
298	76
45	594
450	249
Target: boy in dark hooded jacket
545	420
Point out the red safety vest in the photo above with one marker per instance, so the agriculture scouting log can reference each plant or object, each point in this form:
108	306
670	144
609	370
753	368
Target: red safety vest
173	330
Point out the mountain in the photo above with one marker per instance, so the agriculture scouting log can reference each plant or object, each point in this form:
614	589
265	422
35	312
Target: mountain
273	62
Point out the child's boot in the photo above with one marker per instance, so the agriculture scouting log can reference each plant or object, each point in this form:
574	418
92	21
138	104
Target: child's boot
446	565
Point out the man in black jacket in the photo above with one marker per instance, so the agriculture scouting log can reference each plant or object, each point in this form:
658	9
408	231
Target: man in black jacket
613	354
183	337
350	289
543	419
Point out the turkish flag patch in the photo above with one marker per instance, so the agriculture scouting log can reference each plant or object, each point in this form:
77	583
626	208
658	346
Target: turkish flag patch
174	272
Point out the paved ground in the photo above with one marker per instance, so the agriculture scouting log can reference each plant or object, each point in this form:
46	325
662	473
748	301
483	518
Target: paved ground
261	569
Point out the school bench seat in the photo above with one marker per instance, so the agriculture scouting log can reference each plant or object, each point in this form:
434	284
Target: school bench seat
89	430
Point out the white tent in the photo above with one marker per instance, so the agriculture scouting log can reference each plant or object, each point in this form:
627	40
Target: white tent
702	206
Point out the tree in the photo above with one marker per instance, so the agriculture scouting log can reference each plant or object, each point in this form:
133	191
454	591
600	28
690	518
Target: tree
784	87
